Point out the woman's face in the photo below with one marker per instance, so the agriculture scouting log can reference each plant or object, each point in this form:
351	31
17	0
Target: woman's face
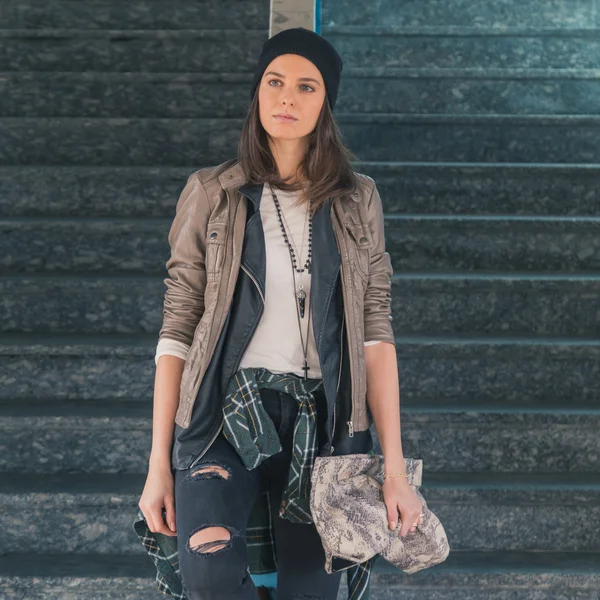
293	85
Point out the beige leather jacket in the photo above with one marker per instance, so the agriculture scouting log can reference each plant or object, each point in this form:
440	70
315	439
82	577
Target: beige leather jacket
206	240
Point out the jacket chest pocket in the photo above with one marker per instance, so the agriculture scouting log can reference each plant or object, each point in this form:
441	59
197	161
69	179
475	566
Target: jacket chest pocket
359	248
216	236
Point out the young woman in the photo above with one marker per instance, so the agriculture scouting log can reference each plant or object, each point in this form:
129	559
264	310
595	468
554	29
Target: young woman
276	322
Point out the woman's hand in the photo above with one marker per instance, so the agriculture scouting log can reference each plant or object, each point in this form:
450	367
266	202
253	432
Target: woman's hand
158	493
399	497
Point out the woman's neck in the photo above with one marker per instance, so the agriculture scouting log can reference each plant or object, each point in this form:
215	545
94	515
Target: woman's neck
288	155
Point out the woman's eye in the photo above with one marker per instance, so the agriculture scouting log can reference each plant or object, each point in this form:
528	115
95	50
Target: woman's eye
304	85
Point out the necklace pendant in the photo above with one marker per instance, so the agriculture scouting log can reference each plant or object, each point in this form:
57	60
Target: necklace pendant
301	295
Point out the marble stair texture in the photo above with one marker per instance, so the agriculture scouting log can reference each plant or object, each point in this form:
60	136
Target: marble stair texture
480	123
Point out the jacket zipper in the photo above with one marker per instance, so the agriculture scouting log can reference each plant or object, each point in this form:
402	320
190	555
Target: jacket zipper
255	282
214	437
339	371
350	423
241	354
338	382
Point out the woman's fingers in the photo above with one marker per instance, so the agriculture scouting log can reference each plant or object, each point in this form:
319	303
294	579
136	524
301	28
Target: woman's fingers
157	496
413	527
153	515
402	500
170	507
148	518
410	528
392	514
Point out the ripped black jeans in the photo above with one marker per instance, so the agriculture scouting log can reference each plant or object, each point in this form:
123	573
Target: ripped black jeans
223	500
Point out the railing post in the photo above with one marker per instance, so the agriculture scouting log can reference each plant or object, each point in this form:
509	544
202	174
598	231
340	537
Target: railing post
294	13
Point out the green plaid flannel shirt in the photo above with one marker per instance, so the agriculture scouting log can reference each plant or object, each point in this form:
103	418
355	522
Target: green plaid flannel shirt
251	431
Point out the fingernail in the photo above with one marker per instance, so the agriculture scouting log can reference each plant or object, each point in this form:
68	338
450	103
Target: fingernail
393	525
172	526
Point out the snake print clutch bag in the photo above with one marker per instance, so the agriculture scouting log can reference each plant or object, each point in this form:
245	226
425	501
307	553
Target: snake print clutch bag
350	515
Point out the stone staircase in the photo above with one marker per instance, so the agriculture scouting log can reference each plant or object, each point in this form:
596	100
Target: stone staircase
478	121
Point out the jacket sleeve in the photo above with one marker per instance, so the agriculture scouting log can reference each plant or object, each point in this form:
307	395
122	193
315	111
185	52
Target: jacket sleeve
377	305
184	297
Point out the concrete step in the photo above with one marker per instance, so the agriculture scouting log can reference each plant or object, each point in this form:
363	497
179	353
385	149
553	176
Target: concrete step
372	137
443	372
525	14
93	513
85	245
444	46
171	51
225	95
108	443
422	303
218	50
504	440
508	372
496	304
471	138
152	14
139	14
77	576
405	188
510	575
485	189
70	513
431	243
77	367
137	192
436	243
428	90
115	437
82	304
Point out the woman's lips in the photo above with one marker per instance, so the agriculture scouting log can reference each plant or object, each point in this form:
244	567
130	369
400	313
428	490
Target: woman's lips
285	119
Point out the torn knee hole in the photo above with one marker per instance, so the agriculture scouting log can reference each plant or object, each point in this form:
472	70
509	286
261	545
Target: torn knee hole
208	471
210	540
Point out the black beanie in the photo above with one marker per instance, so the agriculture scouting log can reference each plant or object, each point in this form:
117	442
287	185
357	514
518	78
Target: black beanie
309	44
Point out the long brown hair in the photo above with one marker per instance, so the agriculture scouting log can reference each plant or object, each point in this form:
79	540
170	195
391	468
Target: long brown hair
327	163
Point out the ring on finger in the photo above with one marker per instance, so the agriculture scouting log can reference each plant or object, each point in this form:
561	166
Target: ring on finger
416	522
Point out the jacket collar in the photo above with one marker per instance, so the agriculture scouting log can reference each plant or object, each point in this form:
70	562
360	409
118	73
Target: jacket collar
232	176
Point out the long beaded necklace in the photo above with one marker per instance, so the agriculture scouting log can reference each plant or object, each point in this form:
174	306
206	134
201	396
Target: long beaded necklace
298	290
